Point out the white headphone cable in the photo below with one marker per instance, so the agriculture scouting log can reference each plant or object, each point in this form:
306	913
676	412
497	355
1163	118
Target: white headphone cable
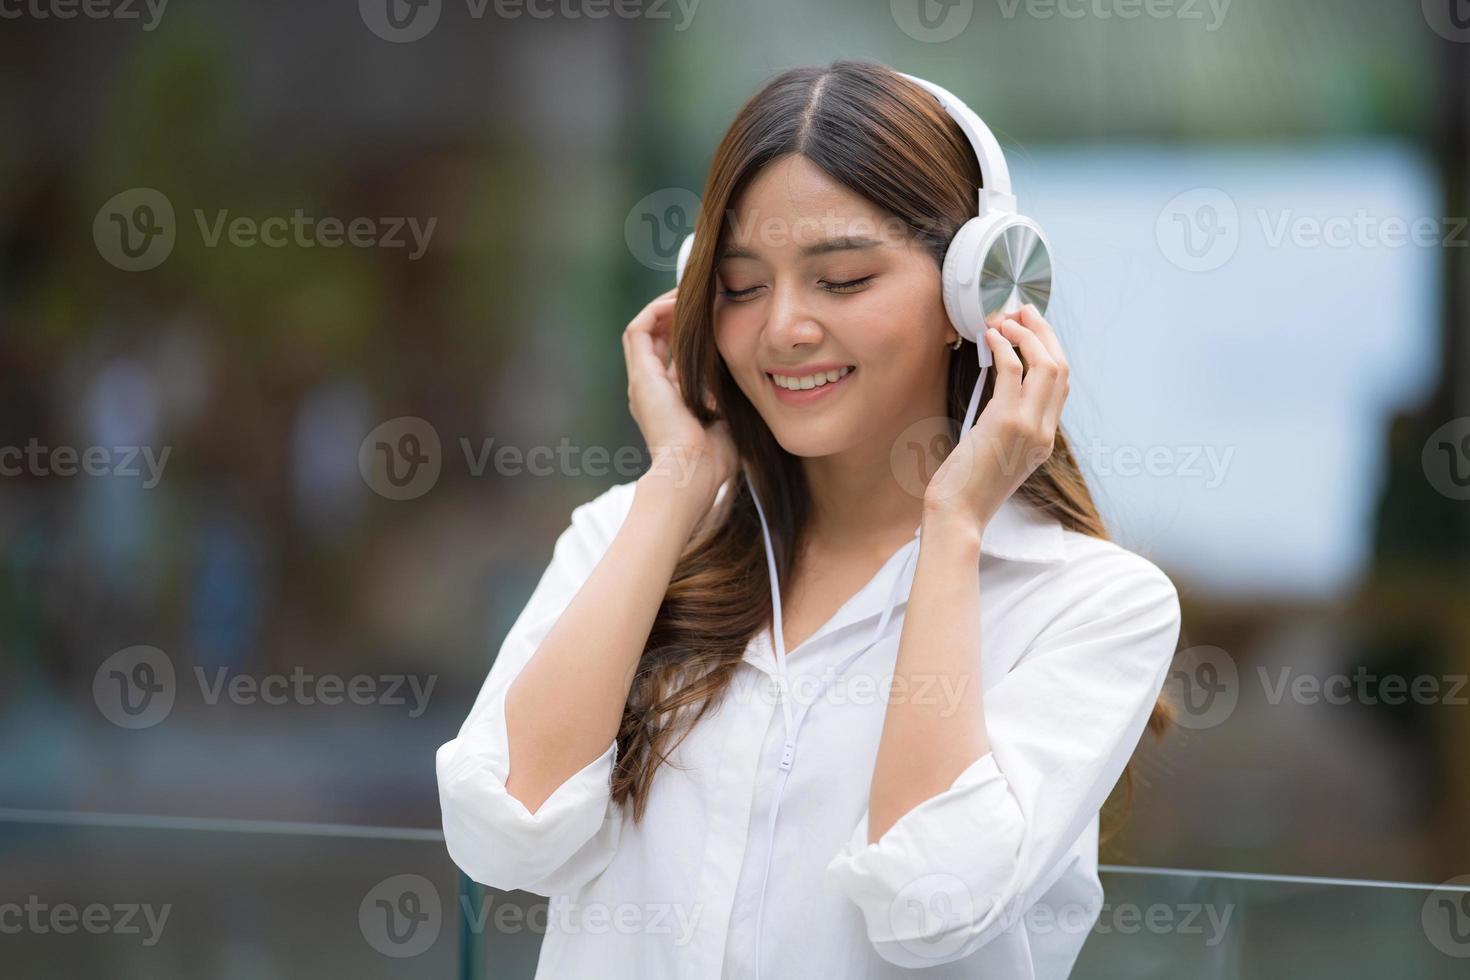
793	722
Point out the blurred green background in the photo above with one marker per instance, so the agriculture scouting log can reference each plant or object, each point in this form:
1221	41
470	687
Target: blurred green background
1257	213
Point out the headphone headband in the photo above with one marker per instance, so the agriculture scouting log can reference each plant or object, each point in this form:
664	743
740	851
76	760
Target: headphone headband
997	261
993	169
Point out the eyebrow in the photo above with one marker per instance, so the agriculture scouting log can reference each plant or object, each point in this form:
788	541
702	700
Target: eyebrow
842	244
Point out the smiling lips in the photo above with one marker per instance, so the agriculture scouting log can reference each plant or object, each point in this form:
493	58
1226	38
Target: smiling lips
816	380
798	389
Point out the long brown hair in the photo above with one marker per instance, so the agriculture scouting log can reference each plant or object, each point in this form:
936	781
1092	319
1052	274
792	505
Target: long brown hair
889	141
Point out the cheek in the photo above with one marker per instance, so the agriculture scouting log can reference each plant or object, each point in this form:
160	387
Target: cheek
884	331
902	341
734	339
735	348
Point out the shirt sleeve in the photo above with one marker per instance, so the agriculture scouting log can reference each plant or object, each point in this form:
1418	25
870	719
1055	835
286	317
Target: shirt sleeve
963	866
572	836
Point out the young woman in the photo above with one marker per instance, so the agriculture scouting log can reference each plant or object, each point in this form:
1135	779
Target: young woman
900	764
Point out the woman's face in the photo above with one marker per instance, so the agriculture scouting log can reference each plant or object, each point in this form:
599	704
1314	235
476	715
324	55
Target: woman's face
815	281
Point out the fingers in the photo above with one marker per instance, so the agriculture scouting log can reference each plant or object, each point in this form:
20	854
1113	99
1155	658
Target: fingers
1040	369
1044	387
1007	368
641	355
654	318
646	341
1031	317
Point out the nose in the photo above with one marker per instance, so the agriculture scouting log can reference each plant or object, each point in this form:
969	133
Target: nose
790	325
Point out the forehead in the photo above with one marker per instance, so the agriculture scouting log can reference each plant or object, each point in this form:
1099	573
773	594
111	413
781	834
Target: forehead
794	196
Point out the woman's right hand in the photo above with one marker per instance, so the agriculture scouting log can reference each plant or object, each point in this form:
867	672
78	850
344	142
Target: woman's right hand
686	455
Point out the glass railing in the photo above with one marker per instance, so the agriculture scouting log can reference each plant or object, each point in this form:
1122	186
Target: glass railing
1163	924
122	897
108	895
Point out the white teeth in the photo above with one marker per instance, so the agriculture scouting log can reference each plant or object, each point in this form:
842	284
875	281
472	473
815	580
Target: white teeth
810	380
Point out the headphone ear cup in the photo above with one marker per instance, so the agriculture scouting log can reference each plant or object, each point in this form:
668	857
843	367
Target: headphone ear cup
997	263
1015	267
684	249
960	281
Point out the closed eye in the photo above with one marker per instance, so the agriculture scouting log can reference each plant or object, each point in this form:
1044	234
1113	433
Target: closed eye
847	286
738	294
850	286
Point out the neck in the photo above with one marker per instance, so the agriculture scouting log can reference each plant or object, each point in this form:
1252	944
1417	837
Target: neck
858	502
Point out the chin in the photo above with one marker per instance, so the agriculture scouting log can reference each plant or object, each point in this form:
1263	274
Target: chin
812	440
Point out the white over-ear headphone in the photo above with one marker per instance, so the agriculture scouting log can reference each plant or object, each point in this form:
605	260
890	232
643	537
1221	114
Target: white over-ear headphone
999	260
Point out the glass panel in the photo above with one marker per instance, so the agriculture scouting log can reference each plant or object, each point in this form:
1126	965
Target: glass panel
158	899
1166	925
1159	924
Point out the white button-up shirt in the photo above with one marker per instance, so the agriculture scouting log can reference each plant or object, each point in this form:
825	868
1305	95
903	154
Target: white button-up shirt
995	877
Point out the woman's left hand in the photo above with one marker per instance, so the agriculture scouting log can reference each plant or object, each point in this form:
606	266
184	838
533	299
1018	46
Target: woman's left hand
1015	431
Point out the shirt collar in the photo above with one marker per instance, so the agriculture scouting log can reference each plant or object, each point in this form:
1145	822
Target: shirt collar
1021	532
1017	532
